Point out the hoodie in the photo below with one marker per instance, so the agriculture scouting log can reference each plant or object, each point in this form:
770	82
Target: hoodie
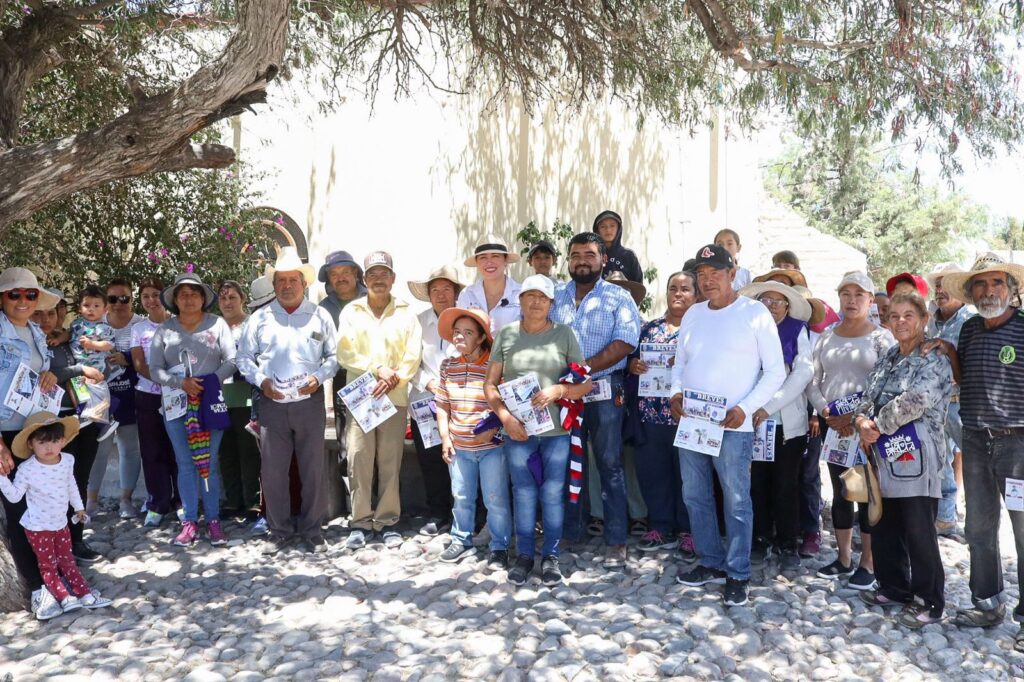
620	258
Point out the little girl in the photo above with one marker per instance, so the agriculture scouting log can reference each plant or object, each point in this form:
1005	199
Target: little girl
730	241
47	479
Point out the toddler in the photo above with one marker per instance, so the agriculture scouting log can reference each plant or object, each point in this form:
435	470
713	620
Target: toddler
46	479
92	341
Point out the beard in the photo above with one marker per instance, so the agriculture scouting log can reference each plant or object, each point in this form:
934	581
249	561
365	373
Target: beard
990	307
588	277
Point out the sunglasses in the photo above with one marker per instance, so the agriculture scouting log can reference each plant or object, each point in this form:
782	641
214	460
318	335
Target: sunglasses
118	299
16	294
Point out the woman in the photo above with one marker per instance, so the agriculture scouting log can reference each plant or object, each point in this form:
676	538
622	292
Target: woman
193	352
495	292
537	346
657	462
21	343
843	357
775	485
461	404
159	469
908	391
240	453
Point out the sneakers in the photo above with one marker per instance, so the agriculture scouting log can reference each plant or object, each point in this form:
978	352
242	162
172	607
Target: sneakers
701	575
686	547
596	527
180	513
434	527
760	550
735	592
259	527
127	510
315	544
862	579
276	544
615	557
70	603
84	553
48	606
810	545
153	520
653	541
498	561
93	600
519	573
789	559
835	570
253	428
215	533
550	571
356	540
107	430
638	528
454	552
188	534
392	539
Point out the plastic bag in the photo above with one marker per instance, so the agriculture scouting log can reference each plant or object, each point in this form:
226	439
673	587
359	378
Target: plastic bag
97	407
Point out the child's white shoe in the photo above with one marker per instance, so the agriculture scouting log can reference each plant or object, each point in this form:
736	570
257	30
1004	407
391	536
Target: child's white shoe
70	603
93	600
47	606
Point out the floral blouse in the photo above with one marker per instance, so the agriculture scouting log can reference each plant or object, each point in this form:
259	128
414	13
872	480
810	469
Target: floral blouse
656	410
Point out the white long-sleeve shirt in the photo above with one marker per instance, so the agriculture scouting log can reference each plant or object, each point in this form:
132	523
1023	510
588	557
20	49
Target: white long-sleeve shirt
733	352
435	351
504	313
789	403
50	489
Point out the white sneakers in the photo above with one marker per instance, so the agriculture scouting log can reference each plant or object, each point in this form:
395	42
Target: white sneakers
45	606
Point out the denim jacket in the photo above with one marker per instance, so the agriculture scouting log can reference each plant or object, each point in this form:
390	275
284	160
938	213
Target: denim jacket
14	351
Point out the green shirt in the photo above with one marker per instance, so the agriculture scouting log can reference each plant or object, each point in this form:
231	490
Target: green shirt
547	355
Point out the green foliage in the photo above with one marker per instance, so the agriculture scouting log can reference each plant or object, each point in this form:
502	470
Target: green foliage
650	277
1009	236
558	234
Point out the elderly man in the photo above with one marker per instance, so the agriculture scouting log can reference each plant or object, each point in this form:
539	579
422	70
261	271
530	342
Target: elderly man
287	350
607	326
379	334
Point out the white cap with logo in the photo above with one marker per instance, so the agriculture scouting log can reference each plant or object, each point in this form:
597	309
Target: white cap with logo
540	283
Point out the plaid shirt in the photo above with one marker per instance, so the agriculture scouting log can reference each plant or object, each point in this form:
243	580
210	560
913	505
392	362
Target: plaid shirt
606	314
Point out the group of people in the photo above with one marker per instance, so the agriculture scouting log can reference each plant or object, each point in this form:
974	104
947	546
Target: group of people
552	403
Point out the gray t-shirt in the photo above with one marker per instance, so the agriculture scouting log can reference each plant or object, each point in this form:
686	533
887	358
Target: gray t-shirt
210	349
842	364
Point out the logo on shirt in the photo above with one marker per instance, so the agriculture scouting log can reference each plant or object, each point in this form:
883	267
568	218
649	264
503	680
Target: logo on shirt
1007	355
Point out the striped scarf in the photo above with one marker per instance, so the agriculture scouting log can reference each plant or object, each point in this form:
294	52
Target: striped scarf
571	415
198	440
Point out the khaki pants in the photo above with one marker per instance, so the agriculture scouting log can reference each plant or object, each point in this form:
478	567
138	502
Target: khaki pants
382	448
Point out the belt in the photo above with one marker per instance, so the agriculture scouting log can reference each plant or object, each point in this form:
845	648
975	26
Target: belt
954	398
1003	433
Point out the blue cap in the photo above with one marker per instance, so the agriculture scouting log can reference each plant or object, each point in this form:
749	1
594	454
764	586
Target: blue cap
338	258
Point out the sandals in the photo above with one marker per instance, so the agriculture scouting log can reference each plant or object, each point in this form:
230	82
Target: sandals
1018	640
916	617
638	527
978	618
876	598
595	527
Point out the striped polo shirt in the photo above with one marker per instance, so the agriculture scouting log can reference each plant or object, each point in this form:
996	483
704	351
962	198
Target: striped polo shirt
992	373
460	391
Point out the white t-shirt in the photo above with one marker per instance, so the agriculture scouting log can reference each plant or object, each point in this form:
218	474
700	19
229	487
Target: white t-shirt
733	352
142	336
742	279
50	489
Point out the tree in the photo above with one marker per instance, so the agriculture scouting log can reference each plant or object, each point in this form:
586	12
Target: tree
1009	236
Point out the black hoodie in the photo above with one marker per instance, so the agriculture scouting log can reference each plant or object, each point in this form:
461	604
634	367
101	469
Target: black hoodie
620	258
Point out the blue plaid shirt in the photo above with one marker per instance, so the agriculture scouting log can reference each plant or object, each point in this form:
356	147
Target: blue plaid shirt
606	314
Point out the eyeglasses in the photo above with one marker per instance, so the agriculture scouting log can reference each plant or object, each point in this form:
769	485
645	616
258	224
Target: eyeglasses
118	299
774	302
16	294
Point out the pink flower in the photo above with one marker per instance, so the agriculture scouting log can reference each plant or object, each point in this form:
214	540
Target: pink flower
190	267
153	258
279	219
164	252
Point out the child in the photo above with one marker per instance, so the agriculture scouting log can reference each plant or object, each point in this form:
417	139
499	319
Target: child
92	340
730	241
47	479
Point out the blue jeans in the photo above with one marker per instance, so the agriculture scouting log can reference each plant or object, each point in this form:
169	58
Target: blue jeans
657	469
490	468
554	452
190	487
733	467
954	441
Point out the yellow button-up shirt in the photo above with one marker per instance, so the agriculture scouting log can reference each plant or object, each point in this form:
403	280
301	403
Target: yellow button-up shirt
393	340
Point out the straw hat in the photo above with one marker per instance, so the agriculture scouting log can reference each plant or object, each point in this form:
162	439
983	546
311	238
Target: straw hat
637	290
23	278
420	289
818	311
491	243
794	276
167	295
799	307
20	446
446	320
957	282
940	271
288	261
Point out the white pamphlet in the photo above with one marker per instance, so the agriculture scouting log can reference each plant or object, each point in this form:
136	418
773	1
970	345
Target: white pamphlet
656	382
174	401
600	389
700	429
764	441
47	401
1014	496
516	395
369	412
426	421
844	452
290	386
23	387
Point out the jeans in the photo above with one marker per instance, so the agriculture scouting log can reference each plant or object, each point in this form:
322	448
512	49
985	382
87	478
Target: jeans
491	469
954	440
988	462
129	458
657	469
810	486
554	452
636	508
191	488
733	468
775	493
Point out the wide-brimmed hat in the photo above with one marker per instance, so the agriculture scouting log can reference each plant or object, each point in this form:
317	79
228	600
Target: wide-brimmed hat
795	276
637	290
261	292
491	243
957	282
917	281
446	320
818	307
336	258
167	295
859	279
799	307
20	446
56	292
940	272
420	289
23	278
289	261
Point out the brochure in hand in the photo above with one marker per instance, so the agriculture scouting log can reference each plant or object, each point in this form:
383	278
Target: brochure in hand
700	429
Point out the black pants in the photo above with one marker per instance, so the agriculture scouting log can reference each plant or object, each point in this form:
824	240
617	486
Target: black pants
240	464
906	550
83	448
775	493
437	481
810	487
21	551
842	509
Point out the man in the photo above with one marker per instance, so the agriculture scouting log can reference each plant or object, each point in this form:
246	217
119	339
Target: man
988	364
608	225
287	350
494	291
729	347
381	335
543	259
440	290
946	322
607	326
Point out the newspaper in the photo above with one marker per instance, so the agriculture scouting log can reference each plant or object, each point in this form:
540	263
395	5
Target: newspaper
423	412
844	452
600	389
764	441
369	412
517	395
656	382
290	386
47	401
700	429
174	401
22	389
1014	496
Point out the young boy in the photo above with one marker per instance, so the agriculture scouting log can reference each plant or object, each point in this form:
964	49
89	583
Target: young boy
46	478
542	258
92	341
730	241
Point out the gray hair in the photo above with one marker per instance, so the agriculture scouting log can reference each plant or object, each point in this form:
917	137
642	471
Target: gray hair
1011	283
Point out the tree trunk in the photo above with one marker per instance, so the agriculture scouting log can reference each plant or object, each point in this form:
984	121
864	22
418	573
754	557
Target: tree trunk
154	134
13	592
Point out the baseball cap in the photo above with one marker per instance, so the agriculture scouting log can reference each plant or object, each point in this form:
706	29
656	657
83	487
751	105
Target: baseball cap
375	258
715	256
542	245
859	279
539	283
917	281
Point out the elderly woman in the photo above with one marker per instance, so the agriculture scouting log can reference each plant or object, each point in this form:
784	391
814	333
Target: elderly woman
843	357
22	342
536	346
906	397
193	352
775	485
657	461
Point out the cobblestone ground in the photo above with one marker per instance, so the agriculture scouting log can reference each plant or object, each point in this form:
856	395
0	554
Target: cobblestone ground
230	614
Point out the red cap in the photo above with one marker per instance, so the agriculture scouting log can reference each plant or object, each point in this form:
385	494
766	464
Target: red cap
917	280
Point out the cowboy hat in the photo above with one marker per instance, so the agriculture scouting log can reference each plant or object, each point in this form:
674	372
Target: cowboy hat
940	271
818	311
23	278
795	277
20	446
957	282
491	243
799	307
446	320
420	289
167	295
261	292
288	261
637	290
